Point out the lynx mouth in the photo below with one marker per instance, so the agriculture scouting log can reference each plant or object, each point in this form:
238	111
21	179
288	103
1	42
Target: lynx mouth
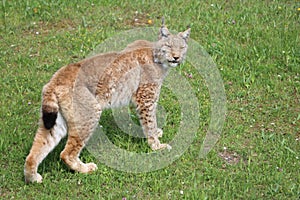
173	63
175	60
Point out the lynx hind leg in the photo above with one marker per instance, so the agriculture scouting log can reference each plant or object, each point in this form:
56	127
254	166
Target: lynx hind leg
44	142
81	125
71	152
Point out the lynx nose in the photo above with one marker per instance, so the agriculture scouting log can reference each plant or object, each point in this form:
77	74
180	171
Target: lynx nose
176	58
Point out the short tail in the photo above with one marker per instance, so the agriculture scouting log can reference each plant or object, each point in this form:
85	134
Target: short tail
49	108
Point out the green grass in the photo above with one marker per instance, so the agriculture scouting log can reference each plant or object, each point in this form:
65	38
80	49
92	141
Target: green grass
256	47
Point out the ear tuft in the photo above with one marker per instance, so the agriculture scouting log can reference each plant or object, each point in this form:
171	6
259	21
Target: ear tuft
163	31
162	21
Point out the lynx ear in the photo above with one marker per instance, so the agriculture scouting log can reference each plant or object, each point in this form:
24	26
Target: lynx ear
163	31
186	34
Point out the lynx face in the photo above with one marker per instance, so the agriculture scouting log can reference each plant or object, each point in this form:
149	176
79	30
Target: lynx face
170	50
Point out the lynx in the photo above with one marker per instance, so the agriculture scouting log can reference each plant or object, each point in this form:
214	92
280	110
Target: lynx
72	101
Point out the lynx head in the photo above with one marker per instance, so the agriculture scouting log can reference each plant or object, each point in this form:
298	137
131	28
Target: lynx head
170	50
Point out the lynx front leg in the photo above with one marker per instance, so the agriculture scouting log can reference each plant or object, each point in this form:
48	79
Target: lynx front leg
146	100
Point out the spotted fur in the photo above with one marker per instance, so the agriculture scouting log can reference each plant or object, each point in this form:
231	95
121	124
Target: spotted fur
72	101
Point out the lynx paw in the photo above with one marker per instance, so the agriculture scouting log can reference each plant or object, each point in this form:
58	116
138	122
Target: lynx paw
88	168
159	146
33	178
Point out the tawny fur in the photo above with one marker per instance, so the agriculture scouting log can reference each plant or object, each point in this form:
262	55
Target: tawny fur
72	101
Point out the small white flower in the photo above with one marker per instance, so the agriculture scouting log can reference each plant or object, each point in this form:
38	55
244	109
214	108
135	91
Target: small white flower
181	192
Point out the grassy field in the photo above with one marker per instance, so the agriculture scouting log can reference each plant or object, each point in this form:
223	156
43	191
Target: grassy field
256	48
